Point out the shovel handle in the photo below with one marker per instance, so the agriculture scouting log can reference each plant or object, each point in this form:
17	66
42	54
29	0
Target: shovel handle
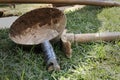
50	56
105	36
81	2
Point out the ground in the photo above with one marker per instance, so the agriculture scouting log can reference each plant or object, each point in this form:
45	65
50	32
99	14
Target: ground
90	61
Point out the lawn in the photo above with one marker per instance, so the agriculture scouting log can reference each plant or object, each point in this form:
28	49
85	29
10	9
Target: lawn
90	61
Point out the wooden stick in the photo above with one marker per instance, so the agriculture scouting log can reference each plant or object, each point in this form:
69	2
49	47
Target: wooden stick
81	2
50	56
66	38
105	36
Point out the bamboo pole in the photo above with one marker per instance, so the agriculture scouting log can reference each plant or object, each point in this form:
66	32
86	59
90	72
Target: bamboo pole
50	57
67	38
105	36
81	2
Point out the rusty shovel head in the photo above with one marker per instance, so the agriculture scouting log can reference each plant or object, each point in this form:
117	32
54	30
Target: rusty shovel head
37	26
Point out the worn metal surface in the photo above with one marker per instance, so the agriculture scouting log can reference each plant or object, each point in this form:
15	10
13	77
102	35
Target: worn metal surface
37	26
81	2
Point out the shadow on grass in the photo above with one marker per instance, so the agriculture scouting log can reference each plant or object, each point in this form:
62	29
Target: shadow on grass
15	63
84	20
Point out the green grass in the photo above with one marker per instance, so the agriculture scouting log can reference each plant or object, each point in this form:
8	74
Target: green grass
90	61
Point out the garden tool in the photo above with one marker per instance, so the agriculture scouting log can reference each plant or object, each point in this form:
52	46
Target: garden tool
69	2
40	26
67	38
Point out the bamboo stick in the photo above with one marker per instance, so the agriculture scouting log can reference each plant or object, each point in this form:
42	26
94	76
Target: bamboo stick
67	38
105	36
81	2
50	57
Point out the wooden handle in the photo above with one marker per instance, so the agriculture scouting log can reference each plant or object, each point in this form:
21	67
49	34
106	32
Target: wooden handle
66	38
106	36
81	2
50	56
